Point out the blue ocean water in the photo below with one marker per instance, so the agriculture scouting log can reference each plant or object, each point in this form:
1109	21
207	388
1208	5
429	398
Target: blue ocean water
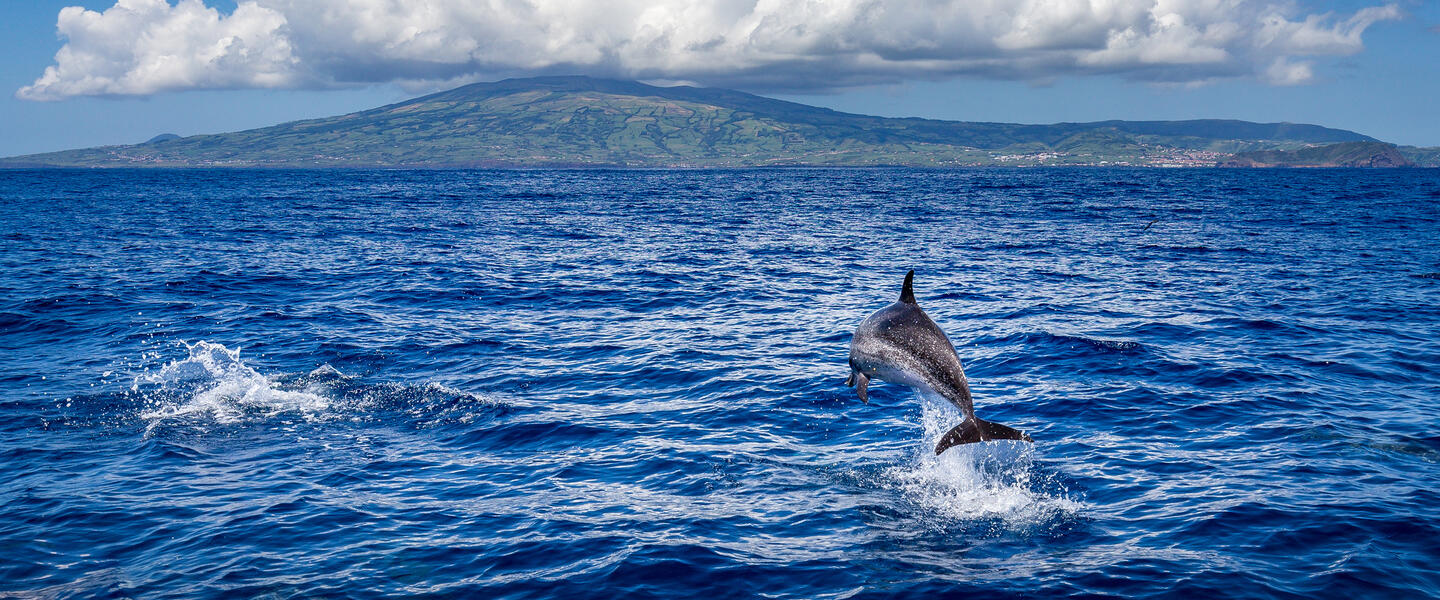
516	384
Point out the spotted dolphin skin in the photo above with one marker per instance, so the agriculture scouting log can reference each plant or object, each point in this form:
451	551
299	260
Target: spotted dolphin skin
901	344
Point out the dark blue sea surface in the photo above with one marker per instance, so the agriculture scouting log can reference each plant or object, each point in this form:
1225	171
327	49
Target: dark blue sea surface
599	384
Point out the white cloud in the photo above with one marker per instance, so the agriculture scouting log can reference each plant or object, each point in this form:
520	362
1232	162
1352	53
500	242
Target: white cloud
1316	35
140	47
1285	72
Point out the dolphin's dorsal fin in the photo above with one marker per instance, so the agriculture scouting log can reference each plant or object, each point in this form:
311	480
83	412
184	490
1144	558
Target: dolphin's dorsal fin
907	294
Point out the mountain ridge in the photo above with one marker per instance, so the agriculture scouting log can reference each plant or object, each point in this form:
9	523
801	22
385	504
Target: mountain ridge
579	121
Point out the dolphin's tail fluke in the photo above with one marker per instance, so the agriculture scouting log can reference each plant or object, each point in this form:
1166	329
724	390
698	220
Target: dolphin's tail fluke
974	430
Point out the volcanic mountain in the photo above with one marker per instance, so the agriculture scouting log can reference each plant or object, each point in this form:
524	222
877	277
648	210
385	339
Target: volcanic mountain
579	121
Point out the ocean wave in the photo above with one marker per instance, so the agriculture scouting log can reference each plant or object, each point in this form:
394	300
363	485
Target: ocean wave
1103	345
1062	341
633	388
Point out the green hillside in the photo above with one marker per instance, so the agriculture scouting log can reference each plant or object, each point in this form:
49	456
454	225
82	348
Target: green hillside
1348	154
578	121
1422	157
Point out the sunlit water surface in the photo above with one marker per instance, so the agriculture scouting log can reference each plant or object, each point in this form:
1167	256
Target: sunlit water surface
359	384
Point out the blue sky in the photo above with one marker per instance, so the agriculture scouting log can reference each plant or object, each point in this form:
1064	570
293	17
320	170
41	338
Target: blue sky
131	69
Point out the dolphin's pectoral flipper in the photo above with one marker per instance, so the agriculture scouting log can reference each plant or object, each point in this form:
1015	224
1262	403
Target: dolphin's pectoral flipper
975	430
860	382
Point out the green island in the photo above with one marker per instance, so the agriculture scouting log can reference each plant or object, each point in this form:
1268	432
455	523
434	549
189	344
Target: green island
585	122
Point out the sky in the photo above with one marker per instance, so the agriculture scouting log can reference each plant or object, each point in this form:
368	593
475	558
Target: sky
87	73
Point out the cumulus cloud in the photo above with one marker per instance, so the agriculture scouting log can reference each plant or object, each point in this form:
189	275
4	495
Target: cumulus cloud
140	47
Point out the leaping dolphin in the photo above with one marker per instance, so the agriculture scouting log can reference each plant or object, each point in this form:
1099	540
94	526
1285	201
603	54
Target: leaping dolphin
901	344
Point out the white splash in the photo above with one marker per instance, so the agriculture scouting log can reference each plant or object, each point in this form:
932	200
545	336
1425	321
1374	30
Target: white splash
213	383
991	480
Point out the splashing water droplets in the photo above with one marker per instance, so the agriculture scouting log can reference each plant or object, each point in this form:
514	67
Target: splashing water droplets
986	481
213	386
212	383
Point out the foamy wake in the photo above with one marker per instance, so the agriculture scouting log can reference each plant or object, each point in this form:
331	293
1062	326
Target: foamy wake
990	480
212	383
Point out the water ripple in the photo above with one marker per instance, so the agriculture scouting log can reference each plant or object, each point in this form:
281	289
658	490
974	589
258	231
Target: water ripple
595	384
